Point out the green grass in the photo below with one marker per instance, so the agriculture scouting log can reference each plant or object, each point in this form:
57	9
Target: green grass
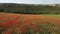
51	15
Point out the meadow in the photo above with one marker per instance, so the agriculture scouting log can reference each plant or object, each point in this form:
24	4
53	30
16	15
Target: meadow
29	19
29	24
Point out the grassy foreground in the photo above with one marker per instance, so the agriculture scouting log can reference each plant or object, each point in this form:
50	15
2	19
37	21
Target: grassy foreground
29	24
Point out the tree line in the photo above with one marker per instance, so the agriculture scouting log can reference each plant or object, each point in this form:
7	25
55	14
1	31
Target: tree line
29	9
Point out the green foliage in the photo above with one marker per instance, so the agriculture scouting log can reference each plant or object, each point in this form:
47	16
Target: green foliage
29	9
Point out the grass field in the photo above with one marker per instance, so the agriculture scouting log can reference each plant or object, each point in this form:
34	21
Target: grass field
29	24
52	15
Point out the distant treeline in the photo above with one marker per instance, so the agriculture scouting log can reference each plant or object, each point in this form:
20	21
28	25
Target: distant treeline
29	9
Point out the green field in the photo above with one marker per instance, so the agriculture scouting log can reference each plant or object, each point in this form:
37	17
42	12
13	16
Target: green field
51	15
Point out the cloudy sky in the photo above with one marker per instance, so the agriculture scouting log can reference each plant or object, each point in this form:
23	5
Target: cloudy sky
32	1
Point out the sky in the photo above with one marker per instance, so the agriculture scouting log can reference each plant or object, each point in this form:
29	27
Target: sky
31	1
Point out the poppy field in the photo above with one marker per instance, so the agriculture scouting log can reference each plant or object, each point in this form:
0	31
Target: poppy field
29	24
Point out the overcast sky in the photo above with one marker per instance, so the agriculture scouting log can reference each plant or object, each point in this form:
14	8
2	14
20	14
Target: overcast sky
32	1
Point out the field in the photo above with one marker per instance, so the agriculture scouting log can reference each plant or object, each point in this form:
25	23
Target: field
29	24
